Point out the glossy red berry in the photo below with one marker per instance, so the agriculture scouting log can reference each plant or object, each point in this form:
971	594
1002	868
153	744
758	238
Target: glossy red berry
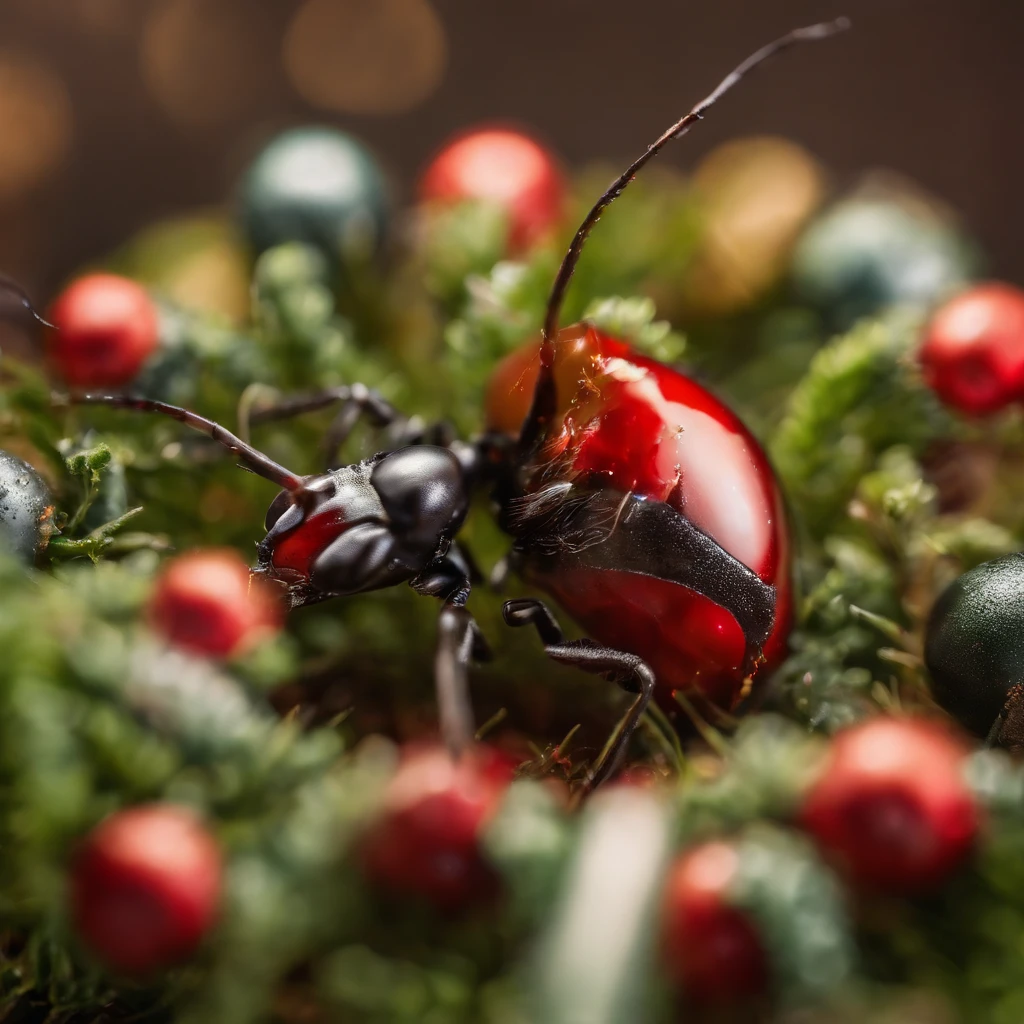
208	602
972	354
505	167
145	888
891	805
710	947
640	427
426	840
107	327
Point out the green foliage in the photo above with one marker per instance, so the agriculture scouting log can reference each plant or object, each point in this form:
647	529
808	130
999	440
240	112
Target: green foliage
97	714
860	395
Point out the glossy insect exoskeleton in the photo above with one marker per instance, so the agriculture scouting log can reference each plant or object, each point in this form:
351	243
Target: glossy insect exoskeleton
633	497
650	513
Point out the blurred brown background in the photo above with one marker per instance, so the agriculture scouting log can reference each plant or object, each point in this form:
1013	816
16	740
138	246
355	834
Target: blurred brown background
116	112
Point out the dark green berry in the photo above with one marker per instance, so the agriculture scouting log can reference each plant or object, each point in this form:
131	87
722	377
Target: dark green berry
974	643
318	186
26	508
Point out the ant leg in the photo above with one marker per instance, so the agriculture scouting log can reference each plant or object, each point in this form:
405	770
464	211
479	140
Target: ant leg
528	611
630	672
465	555
356	400
459	643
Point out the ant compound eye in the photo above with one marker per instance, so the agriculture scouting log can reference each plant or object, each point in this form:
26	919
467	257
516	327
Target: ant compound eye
278	507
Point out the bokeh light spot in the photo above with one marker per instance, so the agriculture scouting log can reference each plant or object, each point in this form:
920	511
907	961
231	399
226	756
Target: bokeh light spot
365	56
205	62
755	194
35	123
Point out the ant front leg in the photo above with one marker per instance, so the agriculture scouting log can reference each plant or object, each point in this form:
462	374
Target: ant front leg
357	401
459	643
630	672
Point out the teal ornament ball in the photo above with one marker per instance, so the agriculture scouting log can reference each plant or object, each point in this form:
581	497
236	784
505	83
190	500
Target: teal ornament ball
974	642
318	186
26	508
865	255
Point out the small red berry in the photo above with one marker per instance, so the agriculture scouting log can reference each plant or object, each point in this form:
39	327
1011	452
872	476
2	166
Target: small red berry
426	841
972	355
208	602
508	168
891	804
711	948
145	887
107	327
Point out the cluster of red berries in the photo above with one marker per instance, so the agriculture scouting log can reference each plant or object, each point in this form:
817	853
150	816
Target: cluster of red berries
889	808
146	883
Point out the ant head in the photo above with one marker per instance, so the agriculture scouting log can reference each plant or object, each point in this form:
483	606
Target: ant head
367	526
357	528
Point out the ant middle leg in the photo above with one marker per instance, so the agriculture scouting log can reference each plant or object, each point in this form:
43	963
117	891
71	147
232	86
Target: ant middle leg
627	670
459	643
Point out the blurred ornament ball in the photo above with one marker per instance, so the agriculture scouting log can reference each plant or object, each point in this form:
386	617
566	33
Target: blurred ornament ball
710	947
145	888
974	642
426	840
106	328
504	167
26	508
197	261
972	355
891	805
319	186
753	197
867	253
209	603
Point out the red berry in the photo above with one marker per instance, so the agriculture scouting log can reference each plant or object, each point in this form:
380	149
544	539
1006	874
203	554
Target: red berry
508	168
107	327
891	804
208	602
145	888
711	948
973	350
426	841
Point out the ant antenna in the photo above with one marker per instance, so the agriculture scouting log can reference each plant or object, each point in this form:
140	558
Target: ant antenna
680	128
11	286
252	459
544	397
